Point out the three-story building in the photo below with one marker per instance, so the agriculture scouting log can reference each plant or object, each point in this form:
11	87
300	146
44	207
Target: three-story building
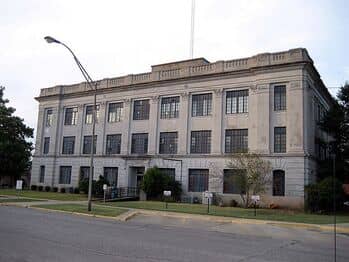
189	118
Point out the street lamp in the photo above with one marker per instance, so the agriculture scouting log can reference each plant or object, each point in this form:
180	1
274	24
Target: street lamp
93	85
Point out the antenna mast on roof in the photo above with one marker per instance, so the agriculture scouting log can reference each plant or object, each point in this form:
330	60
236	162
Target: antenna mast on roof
192	29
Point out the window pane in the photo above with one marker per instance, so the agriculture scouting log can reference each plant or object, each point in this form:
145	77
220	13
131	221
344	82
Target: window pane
65	175
84	172
42	174
278	183
171	172
236	140
71	115
115	112
139	143
198	180
141	109
49	118
169	107
280	139
68	145
201	142
168	143
87	146
279	97
46	145
232	181
111	175
113	144
201	105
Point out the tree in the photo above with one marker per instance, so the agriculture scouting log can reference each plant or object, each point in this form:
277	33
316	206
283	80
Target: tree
336	123
254	175
15	150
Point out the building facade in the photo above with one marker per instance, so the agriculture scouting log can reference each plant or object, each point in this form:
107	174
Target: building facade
189	118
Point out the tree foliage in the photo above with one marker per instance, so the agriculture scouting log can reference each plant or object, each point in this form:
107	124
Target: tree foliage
254	176
15	149
155	182
336	123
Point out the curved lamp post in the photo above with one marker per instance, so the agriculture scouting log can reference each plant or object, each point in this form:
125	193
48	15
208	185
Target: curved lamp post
93	85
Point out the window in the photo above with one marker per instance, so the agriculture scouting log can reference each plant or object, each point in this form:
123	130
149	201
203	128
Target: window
71	116
201	105
236	140
139	143
113	145
46	145
237	102
89	114
64	174
168	143
198	180
280	139
87	147
115	112
278	183
169	107
141	109
42	174
171	172
200	142
111	175
232	181
279	97
49	117
68	145
84	172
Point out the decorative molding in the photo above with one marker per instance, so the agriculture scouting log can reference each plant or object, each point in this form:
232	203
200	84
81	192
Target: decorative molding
218	92
185	95
295	84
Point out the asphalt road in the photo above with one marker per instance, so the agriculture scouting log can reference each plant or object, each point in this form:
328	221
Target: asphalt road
32	235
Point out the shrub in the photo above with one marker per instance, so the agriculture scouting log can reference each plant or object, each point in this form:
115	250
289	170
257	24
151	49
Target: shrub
319	197
33	187
76	190
97	186
154	182
47	188
40	188
62	190
55	189
234	203
99	192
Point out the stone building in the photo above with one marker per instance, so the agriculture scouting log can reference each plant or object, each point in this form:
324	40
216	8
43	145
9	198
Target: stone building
189	118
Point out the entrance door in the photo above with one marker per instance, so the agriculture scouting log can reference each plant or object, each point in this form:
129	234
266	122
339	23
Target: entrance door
136	176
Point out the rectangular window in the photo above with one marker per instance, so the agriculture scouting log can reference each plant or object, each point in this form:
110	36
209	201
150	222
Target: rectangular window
168	143
171	172
280	139
141	109
42	174
170	107
113	145
89	114
46	145
200	142
201	105
87	147
64	174
198	180
84	172
232	181
236	140
237	102
139	143
68	145
111	175
71	116
115	112
278	183
279	98
49	117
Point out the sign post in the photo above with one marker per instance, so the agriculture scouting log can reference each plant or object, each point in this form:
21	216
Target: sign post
209	196
105	186
166	195
255	199
19	186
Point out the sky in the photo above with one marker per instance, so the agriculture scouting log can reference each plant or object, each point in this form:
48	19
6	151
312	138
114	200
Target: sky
115	38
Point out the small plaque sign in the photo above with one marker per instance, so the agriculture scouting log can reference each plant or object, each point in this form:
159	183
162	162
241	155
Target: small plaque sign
255	198
167	193
19	184
208	194
105	186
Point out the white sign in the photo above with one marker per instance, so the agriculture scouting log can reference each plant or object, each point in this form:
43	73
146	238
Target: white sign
19	184
255	198
105	187
167	193
208	194
346	203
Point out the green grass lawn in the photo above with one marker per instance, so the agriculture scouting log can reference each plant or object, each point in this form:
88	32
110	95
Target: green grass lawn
264	214
12	200
96	210
44	195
